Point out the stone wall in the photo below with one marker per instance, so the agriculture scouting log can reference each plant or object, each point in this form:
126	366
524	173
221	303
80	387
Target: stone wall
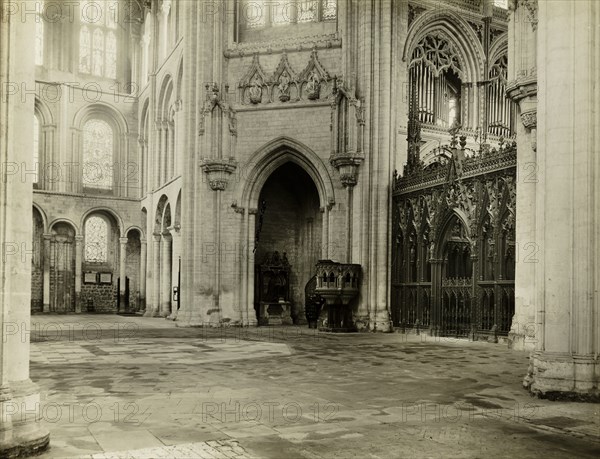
99	297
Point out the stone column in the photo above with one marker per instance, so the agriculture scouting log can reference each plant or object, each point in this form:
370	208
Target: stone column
78	262
250	311
144	42
20	432
325	237
522	89
375	81
565	362
143	265
163	27
47	254
165	274
122	273
176	253
153	311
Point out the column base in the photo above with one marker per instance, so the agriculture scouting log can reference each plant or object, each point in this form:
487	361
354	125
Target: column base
561	376
24	435
152	313
521	342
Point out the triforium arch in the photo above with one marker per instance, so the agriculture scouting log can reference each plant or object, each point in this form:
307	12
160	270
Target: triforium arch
273	158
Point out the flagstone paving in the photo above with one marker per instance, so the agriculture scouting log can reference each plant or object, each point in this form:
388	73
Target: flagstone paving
132	387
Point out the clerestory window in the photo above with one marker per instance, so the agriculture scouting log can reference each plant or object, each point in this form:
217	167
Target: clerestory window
256	14
98	39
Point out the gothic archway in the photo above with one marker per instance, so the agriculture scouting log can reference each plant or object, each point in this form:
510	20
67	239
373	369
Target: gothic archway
265	162
288	234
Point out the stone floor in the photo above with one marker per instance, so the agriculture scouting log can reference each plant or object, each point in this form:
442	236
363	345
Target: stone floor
131	387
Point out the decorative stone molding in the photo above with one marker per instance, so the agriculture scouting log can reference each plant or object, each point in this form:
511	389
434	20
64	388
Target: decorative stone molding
325	41
218	172
529	119
256	88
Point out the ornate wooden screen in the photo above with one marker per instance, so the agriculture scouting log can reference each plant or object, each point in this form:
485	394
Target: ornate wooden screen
453	251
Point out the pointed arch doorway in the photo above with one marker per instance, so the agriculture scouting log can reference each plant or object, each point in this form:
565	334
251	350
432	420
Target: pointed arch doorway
453	275
288	229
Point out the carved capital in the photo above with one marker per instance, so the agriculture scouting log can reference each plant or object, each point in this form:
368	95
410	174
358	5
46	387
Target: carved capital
529	119
218	172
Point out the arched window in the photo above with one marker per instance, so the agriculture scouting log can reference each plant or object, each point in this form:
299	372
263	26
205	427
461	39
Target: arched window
97	39
36	150
98	152
436	69
96	240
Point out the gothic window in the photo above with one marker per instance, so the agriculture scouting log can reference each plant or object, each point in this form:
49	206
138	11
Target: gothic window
98	139
96	240
39	40
97	39
436	69
257	14
36	149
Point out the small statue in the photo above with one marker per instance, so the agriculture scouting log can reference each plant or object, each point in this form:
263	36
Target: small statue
284	88
313	86
255	92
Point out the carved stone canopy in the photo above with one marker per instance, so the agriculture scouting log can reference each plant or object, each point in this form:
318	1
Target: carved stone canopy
218	172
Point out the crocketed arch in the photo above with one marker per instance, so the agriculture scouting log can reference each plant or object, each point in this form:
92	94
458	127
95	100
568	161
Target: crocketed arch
276	153
454	29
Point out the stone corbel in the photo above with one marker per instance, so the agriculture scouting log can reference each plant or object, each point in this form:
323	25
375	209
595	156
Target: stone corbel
237	209
347	166
218	172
